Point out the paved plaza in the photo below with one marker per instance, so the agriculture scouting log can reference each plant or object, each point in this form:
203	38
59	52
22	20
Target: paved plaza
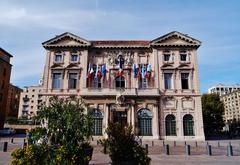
177	153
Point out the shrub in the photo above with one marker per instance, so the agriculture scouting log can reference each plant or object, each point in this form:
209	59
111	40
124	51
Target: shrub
122	147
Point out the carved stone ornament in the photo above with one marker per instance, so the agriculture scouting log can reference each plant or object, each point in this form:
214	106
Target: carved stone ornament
113	56
120	99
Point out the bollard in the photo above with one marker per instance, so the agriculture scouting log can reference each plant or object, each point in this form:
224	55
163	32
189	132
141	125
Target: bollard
12	140
229	150
152	143
24	145
174	143
218	144
166	149
196	144
146	147
5	145
187	150
209	150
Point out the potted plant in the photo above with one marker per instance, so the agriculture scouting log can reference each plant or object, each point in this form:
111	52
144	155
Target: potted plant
65	139
122	147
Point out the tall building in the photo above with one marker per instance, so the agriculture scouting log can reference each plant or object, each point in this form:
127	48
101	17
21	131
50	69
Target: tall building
13	101
231	106
152	85
5	72
30	101
222	89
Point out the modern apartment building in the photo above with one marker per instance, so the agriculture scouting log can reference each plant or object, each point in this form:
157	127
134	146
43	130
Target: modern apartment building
151	84
231	106
13	101
30	101
222	89
5	72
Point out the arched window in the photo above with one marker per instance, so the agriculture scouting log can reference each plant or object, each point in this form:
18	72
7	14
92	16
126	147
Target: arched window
188	125
97	121
120	82
170	124
145	122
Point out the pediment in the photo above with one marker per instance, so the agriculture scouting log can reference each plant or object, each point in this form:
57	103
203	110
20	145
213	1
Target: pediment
175	39
66	40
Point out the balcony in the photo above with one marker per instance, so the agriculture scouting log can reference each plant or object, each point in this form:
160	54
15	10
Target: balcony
148	92
122	91
108	91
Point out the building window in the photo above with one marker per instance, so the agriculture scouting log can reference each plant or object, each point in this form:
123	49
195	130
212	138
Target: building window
143	83
56	82
170	124
1	97
183	56
58	58
97	122
120	82
72	81
4	71
167	57
188	125
97	82
168	80
145	122
185	80
74	58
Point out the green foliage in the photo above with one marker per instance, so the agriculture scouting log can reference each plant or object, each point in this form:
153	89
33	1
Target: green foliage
64	140
122	147
213	109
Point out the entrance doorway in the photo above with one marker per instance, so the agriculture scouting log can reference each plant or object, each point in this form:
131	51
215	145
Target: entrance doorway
120	117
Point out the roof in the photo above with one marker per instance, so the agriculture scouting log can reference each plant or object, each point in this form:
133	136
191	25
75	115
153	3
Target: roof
120	43
70	40
8	54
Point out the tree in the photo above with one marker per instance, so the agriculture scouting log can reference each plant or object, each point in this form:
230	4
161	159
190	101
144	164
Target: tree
213	109
66	138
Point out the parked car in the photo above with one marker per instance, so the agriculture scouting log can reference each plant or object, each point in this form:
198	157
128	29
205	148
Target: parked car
7	131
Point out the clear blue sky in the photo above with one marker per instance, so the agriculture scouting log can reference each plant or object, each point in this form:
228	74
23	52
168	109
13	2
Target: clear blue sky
25	24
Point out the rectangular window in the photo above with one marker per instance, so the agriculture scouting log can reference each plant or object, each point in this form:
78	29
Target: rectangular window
185	80
72	80
74	58
168	80
167	57
58	58
183	57
56	82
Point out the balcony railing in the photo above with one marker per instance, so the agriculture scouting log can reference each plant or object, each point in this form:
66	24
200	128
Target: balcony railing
122	91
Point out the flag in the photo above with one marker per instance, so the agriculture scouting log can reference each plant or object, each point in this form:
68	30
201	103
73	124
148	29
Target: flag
90	70
149	68
135	71
143	71
96	72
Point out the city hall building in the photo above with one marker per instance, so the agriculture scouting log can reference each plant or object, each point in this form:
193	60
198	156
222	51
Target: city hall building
152	85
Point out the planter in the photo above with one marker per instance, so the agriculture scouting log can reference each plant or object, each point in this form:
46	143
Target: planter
88	152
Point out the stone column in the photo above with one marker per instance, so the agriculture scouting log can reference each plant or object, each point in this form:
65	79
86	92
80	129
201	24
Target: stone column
155	128
133	117
106	118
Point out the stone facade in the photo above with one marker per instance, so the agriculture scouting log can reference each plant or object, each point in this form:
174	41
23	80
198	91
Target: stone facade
5	72
30	101
13	101
152	85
